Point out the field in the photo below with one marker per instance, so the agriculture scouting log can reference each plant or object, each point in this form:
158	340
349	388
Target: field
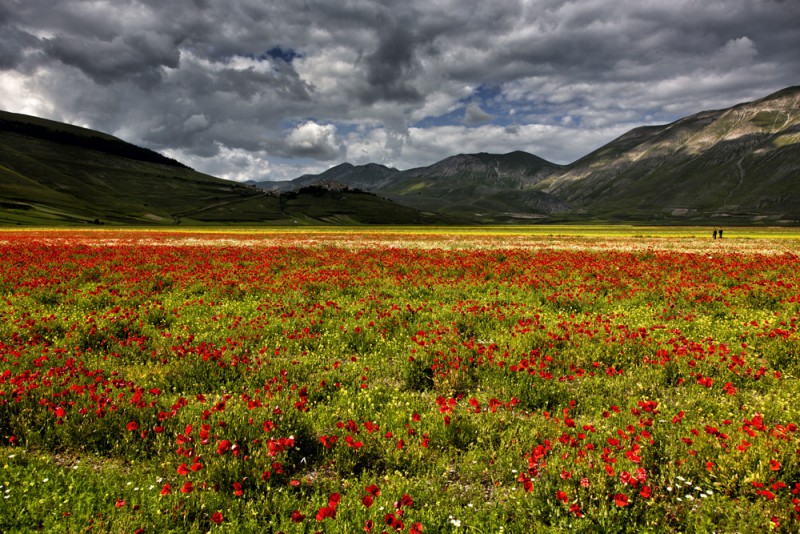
495	380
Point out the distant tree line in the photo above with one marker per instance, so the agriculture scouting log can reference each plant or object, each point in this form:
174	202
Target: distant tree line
320	190
114	147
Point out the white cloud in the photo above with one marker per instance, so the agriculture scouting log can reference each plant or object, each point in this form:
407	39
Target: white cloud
195	122
314	140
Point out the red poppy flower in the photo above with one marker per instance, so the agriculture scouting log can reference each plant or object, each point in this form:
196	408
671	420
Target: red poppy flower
620	499
373	490
297	517
223	446
217	518
183	470
166	490
187	487
367	501
326	512
133	425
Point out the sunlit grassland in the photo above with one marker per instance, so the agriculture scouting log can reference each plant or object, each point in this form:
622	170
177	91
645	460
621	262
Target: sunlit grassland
571	230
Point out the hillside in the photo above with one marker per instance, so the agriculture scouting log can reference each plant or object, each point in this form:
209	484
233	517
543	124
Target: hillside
54	173
741	164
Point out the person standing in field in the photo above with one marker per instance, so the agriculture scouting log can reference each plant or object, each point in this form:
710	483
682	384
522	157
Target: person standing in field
714	233
720	233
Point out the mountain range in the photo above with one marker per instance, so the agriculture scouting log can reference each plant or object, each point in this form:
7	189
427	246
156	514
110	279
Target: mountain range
739	165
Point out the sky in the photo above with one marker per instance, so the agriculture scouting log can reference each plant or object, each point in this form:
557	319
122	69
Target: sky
274	89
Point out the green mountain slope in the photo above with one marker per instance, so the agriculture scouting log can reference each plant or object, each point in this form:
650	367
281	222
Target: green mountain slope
492	186
54	173
739	164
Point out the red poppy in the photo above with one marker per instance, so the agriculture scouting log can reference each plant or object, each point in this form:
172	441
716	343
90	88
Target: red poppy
373	490
620	499
133	425
353	443
166	490
367	500
217	518
394	522
223	446
183	470
326	512
297	517
187	487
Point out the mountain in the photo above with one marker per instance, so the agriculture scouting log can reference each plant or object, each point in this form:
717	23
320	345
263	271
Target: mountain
365	177
54	173
476	183
484	187
740	165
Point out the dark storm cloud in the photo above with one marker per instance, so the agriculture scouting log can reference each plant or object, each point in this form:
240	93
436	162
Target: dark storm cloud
141	56
246	83
391	68
13	45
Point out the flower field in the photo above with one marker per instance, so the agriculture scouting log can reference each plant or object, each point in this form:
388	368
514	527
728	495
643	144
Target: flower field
397	382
